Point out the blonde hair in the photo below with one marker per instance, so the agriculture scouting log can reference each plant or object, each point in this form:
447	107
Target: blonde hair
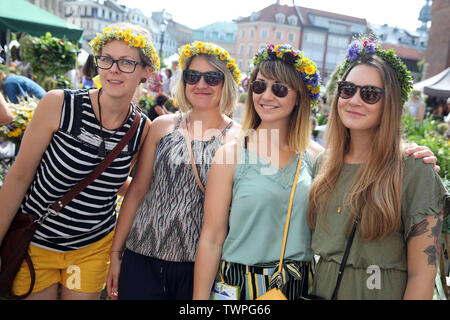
299	127
377	185
138	31
230	92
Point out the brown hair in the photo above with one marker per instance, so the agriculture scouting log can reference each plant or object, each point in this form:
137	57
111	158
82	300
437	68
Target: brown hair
299	132
378	183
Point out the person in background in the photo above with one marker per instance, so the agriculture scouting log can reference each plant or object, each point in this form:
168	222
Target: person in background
364	177
158	109
17	87
416	106
89	72
155	83
167	80
176	76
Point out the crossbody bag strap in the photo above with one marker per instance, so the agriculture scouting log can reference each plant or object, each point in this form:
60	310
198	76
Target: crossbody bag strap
288	218
64	200
191	155
345	257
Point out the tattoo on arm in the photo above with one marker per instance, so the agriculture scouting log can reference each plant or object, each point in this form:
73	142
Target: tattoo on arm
433	251
419	229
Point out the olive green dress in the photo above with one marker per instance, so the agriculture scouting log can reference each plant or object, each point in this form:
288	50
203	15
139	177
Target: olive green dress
374	269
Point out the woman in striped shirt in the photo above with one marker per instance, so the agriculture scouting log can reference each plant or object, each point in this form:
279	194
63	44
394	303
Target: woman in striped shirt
70	134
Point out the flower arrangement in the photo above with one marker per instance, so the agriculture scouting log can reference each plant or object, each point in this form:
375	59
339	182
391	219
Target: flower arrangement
306	67
22	112
199	47
363	46
49	56
131	39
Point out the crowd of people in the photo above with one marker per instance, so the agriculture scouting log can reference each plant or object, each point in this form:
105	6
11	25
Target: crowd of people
209	197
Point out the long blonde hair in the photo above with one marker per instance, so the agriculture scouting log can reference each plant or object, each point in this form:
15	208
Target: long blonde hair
299	127
377	185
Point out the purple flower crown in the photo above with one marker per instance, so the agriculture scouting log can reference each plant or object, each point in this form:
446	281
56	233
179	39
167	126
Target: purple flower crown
364	46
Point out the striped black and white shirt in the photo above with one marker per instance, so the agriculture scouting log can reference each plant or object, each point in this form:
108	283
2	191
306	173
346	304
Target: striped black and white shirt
70	157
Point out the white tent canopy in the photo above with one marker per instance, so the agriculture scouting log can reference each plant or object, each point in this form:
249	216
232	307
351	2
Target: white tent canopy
438	85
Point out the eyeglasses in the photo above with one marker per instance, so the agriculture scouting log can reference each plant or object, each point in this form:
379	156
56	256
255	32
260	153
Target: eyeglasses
369	94
278	89
212	78
124	65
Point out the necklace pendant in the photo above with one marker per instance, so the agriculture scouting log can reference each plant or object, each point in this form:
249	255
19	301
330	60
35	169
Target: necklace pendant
339	210
102	150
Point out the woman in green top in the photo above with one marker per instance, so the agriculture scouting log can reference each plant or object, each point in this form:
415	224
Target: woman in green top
395	250
249	183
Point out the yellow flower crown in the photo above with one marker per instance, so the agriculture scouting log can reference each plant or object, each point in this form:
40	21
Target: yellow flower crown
132	40
198	47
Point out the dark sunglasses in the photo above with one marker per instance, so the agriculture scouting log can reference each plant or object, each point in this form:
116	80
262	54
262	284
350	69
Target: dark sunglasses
212	78
278	89
369	94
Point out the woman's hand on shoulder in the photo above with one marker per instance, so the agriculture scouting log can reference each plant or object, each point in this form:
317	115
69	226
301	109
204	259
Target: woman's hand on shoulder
423	152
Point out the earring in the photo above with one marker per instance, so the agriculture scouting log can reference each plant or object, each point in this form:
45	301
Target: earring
143	80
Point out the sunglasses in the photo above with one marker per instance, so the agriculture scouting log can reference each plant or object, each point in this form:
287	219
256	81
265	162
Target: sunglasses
278	89
212	78
369	94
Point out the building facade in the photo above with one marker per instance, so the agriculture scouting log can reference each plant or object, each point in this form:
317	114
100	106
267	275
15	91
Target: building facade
273	24
55	7
437	56
323	36
221	33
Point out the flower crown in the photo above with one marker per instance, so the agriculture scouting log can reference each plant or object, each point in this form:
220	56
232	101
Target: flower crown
305	67
363	47
132	40
199	47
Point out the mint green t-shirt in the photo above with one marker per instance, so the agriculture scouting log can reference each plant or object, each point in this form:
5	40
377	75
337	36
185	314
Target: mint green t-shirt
260	200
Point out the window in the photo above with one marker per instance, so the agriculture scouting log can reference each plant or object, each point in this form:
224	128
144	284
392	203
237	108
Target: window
337	41
242	34
252	33
241	49
291	37
315	37
240	64
279	35
279	18
292	20
250	48
338	27
264	33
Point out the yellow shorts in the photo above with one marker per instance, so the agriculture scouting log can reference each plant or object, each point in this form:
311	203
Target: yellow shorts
83	270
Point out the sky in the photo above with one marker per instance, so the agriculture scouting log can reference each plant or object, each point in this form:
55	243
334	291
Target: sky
198	13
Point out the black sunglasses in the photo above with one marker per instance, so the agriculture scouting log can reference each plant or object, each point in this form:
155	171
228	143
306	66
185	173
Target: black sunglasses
278	89
369	94
212	78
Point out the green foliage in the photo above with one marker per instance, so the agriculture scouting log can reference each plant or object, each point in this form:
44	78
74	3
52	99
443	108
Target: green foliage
49	56
146	102
426	133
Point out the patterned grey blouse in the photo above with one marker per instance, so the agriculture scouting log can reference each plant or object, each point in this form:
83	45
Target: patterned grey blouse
169	220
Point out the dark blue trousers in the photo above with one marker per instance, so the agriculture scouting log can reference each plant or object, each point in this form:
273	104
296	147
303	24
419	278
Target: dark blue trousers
145	278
